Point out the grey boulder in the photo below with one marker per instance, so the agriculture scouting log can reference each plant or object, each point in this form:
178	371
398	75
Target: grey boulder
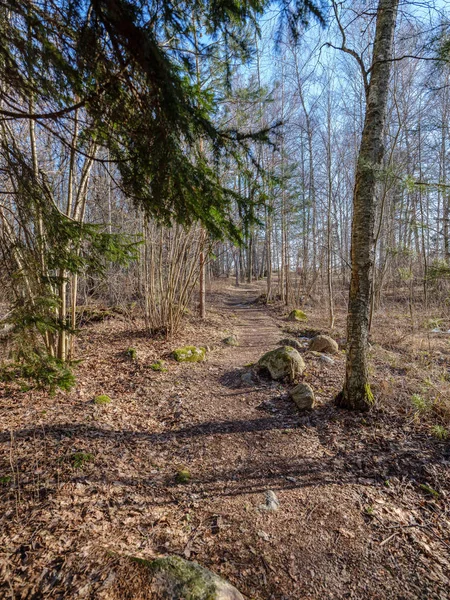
323	343
303	396
282	363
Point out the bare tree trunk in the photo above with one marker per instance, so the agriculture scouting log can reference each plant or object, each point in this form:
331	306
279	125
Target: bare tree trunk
282	267
63	345
287	283
356	393
202	292
147	286
268	242
423	224
444	194
202	261
268	218
250	257
329	223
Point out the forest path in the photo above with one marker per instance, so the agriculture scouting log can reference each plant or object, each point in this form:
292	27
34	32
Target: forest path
229	388
255	328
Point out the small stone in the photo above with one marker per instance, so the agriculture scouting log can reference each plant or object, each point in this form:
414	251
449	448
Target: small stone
297	315
323	343
326	359
109	580
247	378
303	396
231	341
272	502
292	343
265	536
6	329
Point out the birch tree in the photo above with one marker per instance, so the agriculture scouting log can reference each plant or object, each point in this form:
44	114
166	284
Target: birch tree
356	393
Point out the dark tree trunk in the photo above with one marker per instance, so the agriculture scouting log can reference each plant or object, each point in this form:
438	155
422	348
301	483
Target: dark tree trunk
356	393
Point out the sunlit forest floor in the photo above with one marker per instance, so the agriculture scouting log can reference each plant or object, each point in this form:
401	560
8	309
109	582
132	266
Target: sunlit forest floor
364	507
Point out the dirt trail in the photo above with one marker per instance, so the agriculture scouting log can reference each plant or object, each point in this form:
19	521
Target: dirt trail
255	328
257	332
239	414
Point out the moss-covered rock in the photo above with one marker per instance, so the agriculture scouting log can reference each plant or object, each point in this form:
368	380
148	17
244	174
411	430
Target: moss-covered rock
85	315
323	343
283	363
183	476
174	577
131	353
158	365
102	399
231	341
297	315
189	354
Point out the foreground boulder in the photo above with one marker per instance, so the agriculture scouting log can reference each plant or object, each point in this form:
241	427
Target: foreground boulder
323	343
189	354
303	396
292	343
297	315
173	578
283	363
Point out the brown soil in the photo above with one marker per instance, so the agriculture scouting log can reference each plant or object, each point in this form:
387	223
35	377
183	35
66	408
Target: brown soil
364	499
